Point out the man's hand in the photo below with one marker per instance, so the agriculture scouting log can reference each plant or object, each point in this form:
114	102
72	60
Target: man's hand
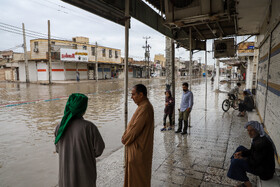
122	141
238	155
166	104
188	109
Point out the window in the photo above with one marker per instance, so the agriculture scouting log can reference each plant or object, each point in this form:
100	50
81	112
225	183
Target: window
36	45
116	54
84	47
75	46
110	53
36	48
93	51
53	43
104	52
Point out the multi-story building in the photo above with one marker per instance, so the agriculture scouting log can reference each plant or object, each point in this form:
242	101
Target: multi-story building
160	59
9	60
136	69
70	57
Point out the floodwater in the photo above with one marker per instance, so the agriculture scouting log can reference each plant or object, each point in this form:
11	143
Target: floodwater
30	112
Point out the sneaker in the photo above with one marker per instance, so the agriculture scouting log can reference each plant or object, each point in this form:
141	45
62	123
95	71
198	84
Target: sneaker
163	129
184	133
170	128
177	131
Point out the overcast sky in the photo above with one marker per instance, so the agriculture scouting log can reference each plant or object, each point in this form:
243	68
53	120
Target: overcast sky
68	21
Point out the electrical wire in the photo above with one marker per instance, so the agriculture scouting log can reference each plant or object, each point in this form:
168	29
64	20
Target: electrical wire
13	48
27	31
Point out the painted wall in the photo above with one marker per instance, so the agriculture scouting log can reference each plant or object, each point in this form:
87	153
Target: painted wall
32	66
58	71
42	70
83	70
268	87
70	71
21	69
272	114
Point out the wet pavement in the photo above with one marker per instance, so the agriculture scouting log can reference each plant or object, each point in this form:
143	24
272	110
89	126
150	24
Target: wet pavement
29	114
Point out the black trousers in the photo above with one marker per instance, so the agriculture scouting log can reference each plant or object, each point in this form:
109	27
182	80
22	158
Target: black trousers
185	129
242	107
170	119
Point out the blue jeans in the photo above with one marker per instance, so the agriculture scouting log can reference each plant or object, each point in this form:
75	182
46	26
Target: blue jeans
239	167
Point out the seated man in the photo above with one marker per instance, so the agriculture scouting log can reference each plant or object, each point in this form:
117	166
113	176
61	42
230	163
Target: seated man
246	105
259	160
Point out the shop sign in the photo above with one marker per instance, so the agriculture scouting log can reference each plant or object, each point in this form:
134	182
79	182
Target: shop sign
73	55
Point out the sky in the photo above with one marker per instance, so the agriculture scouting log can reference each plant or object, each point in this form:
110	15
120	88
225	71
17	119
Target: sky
68	21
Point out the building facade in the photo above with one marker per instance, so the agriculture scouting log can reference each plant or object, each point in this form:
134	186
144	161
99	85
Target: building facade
69	58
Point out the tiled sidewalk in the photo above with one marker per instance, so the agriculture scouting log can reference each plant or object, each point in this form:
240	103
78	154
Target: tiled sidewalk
201	158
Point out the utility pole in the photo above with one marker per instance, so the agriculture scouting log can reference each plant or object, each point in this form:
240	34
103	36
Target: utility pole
147	54
25	55
96	63
49	53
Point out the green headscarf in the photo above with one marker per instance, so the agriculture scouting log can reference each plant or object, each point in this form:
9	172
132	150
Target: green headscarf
76	106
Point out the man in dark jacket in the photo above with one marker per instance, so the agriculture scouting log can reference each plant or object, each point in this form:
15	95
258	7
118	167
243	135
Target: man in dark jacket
258	160
246	105
168	110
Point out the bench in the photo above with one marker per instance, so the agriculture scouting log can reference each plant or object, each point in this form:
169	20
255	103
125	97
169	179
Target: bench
274	182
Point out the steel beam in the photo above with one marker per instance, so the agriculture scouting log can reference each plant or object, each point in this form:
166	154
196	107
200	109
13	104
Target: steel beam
199	33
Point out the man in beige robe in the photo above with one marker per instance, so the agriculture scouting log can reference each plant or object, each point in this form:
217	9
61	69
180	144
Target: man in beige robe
139	139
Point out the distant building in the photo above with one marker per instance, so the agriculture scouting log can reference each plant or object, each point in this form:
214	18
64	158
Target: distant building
160	59
136	69
159	64
69	57
247	54
9	62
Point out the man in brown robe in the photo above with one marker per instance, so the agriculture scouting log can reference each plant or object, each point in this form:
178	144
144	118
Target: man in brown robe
139	139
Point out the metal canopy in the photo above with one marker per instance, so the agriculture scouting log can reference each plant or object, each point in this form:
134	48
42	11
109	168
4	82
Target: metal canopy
208	19
113	10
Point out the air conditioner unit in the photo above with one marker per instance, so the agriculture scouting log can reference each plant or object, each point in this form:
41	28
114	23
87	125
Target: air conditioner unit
224	48
36	50
192	10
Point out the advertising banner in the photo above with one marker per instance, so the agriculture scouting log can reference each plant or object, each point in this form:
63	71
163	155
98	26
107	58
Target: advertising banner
73	55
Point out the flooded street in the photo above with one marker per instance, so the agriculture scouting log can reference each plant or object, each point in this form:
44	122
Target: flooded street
30	112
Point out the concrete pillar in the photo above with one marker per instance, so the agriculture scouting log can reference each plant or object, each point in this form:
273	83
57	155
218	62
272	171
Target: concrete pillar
217	78
249	73
168	67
